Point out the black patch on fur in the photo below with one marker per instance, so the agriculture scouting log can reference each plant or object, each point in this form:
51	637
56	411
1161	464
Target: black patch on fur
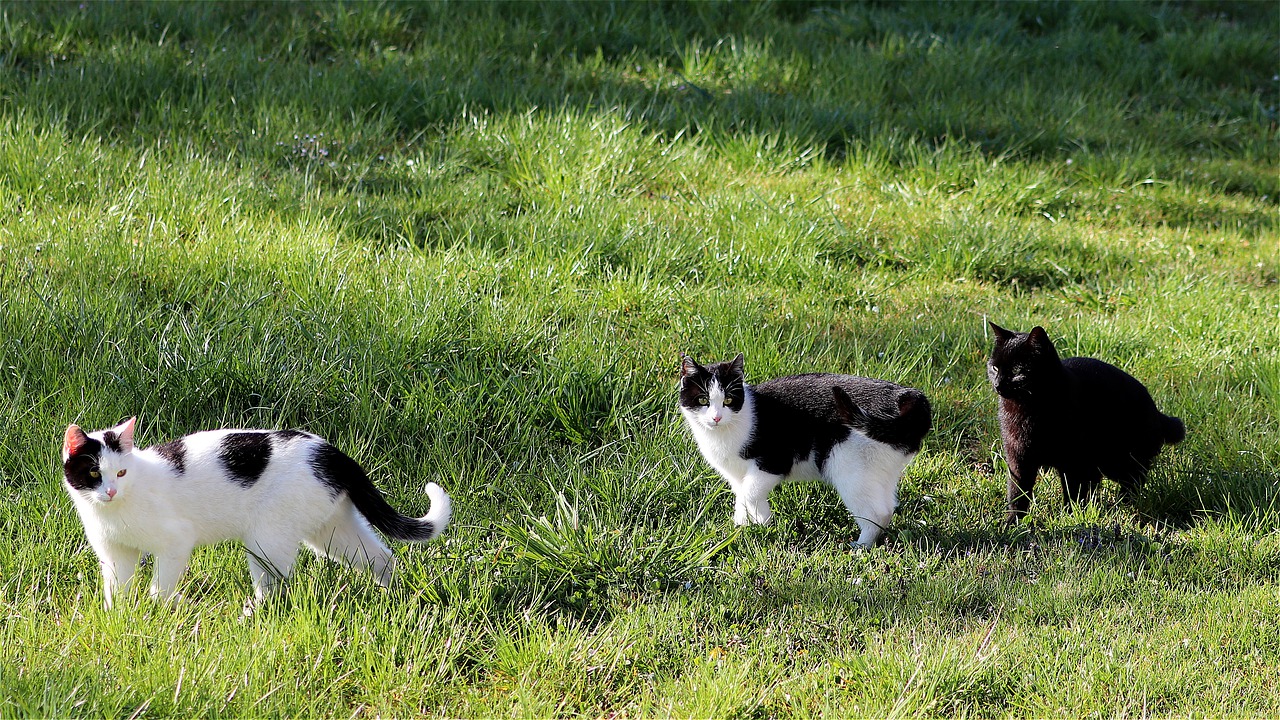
175	452
333	467
76	469
245	456
341	474
902	423
111	440
696	381
287	435
800	413
1080	416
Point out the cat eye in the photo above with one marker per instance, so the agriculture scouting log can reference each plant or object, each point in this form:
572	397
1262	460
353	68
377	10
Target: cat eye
703	400
728	401
95	474
120	474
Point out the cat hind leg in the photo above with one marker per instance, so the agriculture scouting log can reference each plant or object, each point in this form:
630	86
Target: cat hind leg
866	476
270	564
871	503
348	539
1131	475
1079	485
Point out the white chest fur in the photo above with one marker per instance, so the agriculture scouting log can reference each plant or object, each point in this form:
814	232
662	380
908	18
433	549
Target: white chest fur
722	443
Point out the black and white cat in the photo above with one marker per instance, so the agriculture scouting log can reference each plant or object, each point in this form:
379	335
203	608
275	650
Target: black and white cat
855	433
270	489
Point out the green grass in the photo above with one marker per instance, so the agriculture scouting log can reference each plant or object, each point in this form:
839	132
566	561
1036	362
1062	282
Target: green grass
467	242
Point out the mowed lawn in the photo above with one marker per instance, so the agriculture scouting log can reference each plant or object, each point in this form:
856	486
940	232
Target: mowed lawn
467	242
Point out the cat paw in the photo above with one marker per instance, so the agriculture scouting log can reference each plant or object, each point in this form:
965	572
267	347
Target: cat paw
760	514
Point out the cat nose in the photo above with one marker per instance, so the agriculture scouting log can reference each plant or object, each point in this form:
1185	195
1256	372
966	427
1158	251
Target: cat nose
716	419
111	492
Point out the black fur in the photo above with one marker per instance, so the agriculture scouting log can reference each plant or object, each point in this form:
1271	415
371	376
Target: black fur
342	474
903	429
76	469
245	455
287	435
695	379
1079	416
175	452
111	440
800	415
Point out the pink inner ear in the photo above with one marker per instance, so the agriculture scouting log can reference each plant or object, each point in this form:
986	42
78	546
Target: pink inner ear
126	432
73	440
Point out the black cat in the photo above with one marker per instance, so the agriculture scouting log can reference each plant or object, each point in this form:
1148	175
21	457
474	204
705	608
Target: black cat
1079	416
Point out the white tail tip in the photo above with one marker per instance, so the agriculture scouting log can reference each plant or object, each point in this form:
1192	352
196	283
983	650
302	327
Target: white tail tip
441	508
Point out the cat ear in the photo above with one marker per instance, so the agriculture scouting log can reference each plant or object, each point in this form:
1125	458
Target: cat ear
1002	335
688	366
1039	337
73	441
738	364
125	431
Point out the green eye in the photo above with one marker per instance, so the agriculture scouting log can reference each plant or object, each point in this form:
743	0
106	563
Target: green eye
702	400
728	401
95	474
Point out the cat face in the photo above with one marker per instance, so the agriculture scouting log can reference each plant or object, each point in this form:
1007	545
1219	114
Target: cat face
1020	360
96	466
712	396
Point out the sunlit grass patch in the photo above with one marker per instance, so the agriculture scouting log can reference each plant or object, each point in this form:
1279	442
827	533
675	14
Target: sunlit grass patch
468	241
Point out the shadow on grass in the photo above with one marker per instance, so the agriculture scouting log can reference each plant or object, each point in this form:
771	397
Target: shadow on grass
908	70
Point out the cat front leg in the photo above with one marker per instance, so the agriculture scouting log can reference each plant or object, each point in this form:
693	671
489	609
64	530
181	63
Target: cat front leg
169	567
753	497
1022	480
740	514
118	564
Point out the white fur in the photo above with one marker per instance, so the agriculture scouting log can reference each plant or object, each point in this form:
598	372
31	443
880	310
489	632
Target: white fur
863	471
152	509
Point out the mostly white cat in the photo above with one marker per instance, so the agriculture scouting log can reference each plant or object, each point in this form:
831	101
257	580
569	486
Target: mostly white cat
270	489
857	434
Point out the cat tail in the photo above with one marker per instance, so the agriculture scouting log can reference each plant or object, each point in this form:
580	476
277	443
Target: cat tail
1173	429
370	503
849	412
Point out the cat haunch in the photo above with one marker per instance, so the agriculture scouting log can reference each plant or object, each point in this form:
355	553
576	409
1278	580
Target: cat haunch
270	489
857	434
1079	416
